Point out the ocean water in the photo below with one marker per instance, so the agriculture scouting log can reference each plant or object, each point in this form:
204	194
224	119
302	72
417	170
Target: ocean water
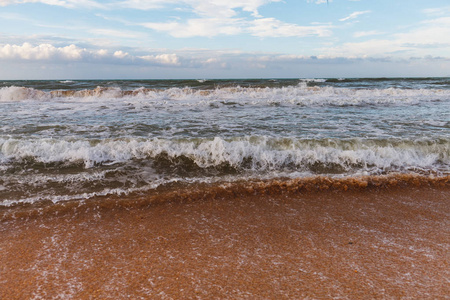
73	140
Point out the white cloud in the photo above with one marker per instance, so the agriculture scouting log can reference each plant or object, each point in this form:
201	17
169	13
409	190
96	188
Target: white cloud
51	54
431	31
270	27
211	8
120	54
429	38
206	8
41	52
14	17
320	1
204	27
215	17
441	11
63	3
225	8
164	59
369	48
261	27
354	15
144	4
444	21
366	33
117	33
200	7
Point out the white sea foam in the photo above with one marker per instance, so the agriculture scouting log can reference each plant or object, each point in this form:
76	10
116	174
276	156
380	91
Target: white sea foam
65	179
290	95
16	93
55	198
253	153
60	198
124	166
313	80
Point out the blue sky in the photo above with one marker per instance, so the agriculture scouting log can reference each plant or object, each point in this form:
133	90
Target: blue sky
93	39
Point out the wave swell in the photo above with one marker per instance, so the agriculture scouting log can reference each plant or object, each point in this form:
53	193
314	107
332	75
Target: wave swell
246	153
301	94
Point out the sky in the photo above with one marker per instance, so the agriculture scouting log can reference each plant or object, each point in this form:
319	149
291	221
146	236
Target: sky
165	39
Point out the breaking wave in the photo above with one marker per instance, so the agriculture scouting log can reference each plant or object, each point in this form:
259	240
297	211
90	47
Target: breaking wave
54	170
301	94
246	153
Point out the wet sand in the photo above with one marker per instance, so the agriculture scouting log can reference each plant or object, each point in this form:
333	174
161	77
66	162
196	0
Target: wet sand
358	244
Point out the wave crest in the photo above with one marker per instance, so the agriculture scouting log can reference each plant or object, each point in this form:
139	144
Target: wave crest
302	94
239	154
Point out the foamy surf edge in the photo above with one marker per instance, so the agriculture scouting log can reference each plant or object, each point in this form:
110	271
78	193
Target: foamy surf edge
257	153
229	190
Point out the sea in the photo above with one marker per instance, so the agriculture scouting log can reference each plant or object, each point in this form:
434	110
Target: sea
72	140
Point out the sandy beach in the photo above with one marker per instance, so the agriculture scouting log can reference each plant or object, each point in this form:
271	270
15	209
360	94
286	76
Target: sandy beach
358	244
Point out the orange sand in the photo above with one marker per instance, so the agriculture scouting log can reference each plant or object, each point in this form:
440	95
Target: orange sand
374	243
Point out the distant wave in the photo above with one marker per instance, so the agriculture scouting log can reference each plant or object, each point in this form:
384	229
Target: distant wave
313	80
302	94
388	79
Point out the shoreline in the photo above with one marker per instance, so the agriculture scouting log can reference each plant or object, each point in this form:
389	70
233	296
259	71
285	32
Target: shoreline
370	242
182	192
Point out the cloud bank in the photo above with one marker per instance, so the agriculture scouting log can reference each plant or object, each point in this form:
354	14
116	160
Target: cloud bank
72	53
